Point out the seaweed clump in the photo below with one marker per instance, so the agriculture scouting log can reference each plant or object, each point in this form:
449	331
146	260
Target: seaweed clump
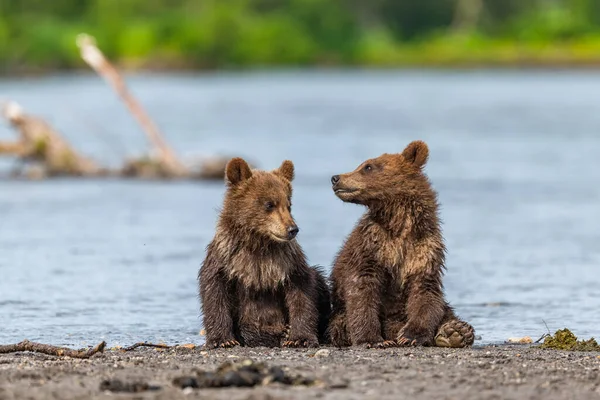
564	339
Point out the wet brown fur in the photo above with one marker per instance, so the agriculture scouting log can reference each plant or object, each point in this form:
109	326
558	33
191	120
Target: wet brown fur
255	284
387	279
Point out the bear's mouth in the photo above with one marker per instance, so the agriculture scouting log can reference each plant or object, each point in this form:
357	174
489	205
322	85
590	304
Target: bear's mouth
344	191
278	238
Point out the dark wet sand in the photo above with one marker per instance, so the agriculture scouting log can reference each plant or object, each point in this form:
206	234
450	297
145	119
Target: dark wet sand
504	372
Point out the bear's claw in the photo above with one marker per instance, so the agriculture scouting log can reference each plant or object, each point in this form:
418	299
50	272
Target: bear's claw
382	345
223	344
408	338
300	343
455	334
410	341
286	333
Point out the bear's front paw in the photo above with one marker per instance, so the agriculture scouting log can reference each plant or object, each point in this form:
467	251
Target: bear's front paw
222	344
410	338
301	342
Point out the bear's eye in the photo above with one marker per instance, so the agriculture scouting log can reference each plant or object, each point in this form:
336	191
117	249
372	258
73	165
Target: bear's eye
368	168
269	206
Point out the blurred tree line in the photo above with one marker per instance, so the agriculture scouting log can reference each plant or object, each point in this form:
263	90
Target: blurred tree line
40	34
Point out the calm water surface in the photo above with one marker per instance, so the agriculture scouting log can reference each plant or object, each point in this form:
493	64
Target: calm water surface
514	157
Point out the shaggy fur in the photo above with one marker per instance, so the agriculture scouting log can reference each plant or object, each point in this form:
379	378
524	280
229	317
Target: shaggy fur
255	284
387	279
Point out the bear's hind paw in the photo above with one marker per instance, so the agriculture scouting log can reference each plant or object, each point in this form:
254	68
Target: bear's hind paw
455	334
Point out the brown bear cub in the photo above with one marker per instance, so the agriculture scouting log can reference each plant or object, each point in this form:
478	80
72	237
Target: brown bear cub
387	279
255	284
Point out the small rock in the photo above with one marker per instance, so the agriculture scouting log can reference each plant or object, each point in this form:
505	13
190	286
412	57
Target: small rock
116	385
517	340
276	374
185	382
338	384
240	379
322	353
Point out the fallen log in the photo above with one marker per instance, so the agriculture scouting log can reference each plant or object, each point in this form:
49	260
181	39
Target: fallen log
39	143
26	345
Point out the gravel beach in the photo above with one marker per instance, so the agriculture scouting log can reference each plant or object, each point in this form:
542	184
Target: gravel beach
488	372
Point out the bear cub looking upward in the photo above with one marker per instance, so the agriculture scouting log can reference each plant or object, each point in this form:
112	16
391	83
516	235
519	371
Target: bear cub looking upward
255	284
387	278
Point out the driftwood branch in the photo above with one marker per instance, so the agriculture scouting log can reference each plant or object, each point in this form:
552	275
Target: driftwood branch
40	143
94	57
26	345
145	344
12	148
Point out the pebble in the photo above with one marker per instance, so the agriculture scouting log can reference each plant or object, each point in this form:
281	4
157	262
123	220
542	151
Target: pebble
338	384
323	353
523	340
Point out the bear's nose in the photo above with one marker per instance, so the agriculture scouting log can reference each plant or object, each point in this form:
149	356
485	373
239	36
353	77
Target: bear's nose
335	179
292	232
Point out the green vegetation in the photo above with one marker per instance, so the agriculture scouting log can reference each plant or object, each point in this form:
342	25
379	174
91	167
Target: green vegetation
37	35
565	340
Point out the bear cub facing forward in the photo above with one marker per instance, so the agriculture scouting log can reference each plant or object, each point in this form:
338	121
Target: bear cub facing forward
387	278
256	286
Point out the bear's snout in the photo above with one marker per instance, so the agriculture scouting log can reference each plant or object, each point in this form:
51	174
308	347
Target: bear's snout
335	179
292	231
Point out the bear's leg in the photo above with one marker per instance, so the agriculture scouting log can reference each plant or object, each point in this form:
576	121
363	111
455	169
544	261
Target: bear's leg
455	333
216	305
426	308
323	306
301	300
391	328
337	332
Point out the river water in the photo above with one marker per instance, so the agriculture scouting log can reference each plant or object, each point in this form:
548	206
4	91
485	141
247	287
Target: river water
513	156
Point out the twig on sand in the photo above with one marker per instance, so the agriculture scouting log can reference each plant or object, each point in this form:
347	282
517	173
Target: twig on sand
26	345
145	344
548	329
545	335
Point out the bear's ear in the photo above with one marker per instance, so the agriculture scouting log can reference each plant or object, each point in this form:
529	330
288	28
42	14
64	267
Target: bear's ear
416	153
237	170
286	170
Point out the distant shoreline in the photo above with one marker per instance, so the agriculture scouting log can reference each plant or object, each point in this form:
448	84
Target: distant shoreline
541	66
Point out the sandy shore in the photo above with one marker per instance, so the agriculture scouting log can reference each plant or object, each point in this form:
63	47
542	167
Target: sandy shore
505	372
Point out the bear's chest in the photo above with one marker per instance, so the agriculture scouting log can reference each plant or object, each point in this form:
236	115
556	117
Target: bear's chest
259	271
390	254
390	251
